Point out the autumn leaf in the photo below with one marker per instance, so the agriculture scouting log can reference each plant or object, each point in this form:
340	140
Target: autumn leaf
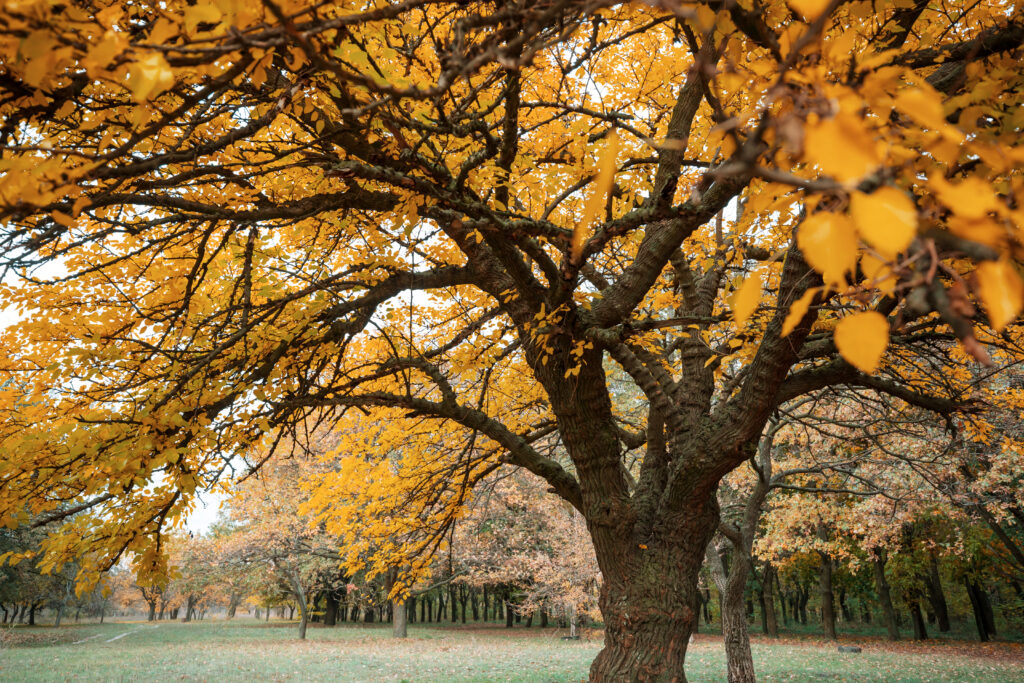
149	77
596	203
809	9
971	198
886	219
797	311
1001	291
842	147
878	274
829	243
923	105
746	298
862	338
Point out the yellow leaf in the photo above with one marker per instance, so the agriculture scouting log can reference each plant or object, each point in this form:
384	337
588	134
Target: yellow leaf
1001	291
886	219
746	298
972	198
878	274
829	243
842	147
861	339
201	13
809	9
62	218
797	311
922	105
149	77
596	203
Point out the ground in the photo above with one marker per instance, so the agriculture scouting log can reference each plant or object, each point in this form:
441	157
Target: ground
248	650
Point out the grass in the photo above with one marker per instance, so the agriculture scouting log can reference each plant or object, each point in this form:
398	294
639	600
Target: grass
247	650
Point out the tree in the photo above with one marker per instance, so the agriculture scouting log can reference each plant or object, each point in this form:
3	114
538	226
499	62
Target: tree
232	199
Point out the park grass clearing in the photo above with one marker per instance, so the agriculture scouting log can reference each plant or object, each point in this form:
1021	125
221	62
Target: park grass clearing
236	651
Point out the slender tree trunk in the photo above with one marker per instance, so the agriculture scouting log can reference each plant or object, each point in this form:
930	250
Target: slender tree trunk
978	609
475	605
762	604
884	596
731	586
986	610
936	596
920	632
300	597
844	608
828	609
768	601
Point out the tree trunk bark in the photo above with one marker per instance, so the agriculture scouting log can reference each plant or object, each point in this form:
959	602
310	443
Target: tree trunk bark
986	610
920	632
330	609
885	597
152	612
399	622
936	596
731	586
649	597
828	609
979	616
771	619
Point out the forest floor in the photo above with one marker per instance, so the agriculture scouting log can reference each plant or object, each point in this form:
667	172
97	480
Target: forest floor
245	649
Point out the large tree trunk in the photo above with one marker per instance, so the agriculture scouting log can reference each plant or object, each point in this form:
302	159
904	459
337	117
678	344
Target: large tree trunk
330	608
399	621
649	598
884	596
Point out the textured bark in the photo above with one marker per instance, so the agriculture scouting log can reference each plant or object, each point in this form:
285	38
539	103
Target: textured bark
770	582
399	621
920	631
649	600
828	609
731	582
330	609
936	596
885	597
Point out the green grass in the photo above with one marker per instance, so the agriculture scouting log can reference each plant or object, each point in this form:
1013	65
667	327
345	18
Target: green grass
247	650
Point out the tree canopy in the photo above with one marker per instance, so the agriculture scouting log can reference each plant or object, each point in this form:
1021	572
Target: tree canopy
602	242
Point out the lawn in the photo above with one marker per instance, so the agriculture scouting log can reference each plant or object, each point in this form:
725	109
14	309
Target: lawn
248	650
